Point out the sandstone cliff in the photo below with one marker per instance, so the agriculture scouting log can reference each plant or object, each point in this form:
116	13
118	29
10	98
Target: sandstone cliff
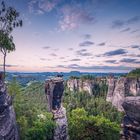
119	89
131	121
54	89
86	85
8	127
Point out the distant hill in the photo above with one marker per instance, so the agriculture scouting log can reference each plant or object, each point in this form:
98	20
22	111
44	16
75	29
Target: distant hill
25	78
134	73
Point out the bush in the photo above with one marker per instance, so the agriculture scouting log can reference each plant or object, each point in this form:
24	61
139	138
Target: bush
84	127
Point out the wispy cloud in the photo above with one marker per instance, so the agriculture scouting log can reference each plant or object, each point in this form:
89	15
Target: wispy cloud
134	31
125	30
117	24
53	54
133	20
135	46
103	68
46	47
87	36
43	59
74	16
83	52
86	43
9	65
115	52
70	49
42	6
130	60
102	44
110	61
76	59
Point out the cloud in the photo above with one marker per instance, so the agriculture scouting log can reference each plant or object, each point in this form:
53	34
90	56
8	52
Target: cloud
115	52
125	30
46	47
135	46
133	20
130	60
103	68
9	65
134	31
87	36
73	16
42	6
86	43
43	59
70	49
110	61
62	58
117	24
102	44
75	59
83	52
53	54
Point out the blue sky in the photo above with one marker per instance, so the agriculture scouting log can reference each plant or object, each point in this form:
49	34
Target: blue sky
83	35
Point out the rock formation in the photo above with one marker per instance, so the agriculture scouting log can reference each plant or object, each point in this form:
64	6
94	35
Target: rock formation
131	120
54	90
8	127
80	85
119	89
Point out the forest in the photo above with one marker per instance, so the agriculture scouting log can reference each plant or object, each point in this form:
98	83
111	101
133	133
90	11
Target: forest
89	117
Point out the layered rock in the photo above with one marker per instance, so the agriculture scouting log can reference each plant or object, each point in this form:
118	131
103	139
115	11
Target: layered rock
119	89
80	85
8	127
54	90
131	120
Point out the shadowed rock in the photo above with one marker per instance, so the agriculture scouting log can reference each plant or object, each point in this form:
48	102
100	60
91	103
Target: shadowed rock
54	89
8	127
131	121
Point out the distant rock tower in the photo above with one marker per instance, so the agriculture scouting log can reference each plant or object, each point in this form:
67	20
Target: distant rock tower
8	127
54	89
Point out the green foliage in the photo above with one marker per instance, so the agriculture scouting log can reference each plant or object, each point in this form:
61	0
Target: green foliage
9	19
86	127
89	117
35	123
134	73
87	77
74	77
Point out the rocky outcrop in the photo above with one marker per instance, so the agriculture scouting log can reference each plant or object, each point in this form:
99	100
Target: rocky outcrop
131	121
8	127
80	85
54	90
119	89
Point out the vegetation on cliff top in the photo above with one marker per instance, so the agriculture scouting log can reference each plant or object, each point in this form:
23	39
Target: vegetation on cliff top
134	73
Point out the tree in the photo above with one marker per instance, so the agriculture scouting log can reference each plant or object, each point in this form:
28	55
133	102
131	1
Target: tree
9	19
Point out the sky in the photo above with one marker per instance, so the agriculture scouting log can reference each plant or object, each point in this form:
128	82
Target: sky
76	35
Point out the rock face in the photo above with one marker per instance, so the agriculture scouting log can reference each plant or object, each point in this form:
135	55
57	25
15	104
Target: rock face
131	121
119	89
8	127
54	90
80	85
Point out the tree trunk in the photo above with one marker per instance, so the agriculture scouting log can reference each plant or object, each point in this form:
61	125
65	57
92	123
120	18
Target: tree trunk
4	69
